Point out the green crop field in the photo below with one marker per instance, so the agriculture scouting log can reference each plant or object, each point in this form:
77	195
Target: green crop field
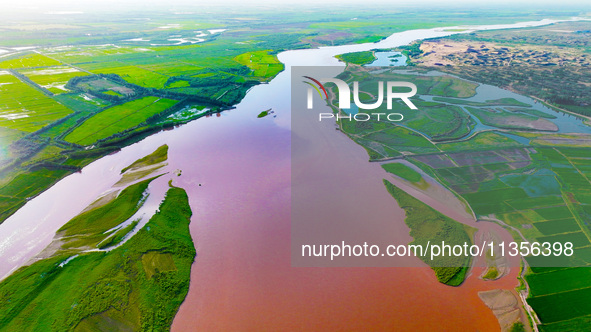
578	239
557	226
556	212
117	119
25	108
29	61
534	202
53	78
403	171
438	121
133	74
173	68
261	63
559	281
482	140
562	306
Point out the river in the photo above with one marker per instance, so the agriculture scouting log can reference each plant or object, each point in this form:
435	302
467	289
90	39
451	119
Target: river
236	169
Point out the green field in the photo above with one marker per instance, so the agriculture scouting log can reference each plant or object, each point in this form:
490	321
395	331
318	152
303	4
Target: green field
29	61
261	63
559	281
118	118
562	306
482	140
403	171
158	156
53	78
402	139
132	74
531	111
557	226
25	108
438	121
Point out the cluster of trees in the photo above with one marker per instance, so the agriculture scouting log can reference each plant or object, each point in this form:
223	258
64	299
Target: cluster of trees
411	51
140	91
54	165
28	146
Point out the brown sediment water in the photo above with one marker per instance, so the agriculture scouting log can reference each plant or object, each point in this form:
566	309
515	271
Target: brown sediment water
236	169
243	280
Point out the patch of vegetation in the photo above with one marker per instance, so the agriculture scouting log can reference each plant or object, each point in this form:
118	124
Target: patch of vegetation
31	60
261	63
25	108
358	58
18	190
427	224
403	171
558	281
411	51
118	236
117	119
54	79
491	273
559	307
482	140
531	111
402	139
158	156
517	327
138	286
88	229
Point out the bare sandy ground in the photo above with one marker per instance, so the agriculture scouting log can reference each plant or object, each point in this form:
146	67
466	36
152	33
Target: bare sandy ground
499	262
506	307
448	52
435	52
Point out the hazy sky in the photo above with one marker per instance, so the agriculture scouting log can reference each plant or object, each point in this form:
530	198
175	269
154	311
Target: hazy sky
85	3
23	9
